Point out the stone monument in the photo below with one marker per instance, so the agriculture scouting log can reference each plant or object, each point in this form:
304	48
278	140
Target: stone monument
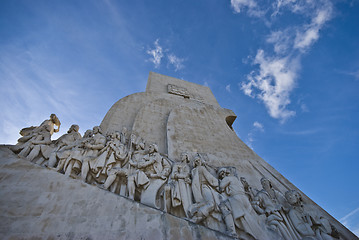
163	164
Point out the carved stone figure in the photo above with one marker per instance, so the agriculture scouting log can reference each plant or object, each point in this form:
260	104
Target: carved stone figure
206	206
51	123
77	153
29	132
248	189
92	146
242	211
270	202
304	223
227	216
113	156
106	155
64	145
116	174
123	136
157	168
324	229
36	140
154	165
137	179
178	191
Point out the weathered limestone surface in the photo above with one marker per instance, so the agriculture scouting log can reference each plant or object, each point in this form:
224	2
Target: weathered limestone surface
36	203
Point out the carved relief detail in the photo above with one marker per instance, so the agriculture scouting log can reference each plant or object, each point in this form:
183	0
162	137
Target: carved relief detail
218	198
176	90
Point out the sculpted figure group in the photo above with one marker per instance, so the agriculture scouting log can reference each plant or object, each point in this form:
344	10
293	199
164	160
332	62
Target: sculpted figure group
125	164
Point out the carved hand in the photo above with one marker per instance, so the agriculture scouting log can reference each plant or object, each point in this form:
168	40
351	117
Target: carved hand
187	180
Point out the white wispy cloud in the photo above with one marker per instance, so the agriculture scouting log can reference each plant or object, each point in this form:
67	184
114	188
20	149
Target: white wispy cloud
272	84
228	88
277	73
156	54
308	34
257	127
250	5
238	4
176	61
280	40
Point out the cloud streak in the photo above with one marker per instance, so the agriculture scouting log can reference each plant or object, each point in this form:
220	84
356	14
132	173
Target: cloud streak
351	221
304	132
354	74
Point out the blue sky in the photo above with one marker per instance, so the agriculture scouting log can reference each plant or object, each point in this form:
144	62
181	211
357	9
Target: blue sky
289	70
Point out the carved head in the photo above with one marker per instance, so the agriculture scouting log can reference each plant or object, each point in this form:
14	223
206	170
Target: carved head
117	135
96	130
185	157
153	148
88	133
140	145
266	183
55	120
244	181
73	128
223	172
133	137
124	130
110	135
197	161
293	197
